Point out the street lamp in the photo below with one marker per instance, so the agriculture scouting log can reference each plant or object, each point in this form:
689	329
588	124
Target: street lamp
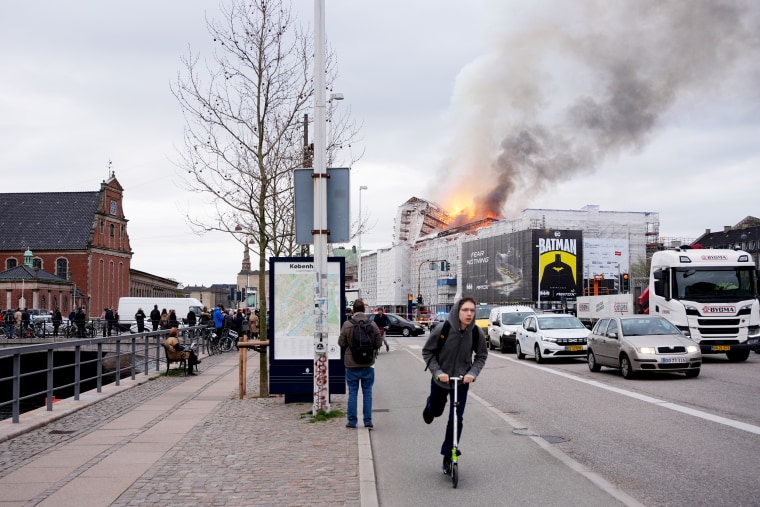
359	250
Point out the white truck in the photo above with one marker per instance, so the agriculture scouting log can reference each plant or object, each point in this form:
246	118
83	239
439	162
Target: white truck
589	309
128	306
711	295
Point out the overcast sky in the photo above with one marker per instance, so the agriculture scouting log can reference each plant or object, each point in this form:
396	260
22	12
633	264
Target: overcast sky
634	106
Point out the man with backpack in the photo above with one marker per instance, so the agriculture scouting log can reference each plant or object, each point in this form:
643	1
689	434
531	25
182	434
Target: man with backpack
359	339
449	352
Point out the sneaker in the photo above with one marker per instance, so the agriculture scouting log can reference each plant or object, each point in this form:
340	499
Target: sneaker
446	467
369	426
387	348
350	427
427	415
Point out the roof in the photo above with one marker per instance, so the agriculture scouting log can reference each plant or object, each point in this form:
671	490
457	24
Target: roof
47	220
26	273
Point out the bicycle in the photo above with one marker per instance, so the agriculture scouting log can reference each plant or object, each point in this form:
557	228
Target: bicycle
452	467
229	339
212	341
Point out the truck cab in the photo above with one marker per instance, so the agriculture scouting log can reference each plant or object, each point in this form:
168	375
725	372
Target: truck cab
710	295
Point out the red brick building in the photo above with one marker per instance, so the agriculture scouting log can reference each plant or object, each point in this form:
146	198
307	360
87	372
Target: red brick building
77	236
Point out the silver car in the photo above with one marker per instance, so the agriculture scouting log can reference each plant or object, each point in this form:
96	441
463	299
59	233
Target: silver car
642	343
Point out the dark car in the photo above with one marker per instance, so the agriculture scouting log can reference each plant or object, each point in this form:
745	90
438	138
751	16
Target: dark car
398	325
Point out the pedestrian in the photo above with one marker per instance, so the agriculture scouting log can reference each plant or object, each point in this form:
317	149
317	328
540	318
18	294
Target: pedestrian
155	317
81	319
191	318
140	319
218	317
107	319
8	320
254	318
448	352
172	320
56	319
357	373
17	316
205	316
116	319
245	326
164	321
25	319
382	323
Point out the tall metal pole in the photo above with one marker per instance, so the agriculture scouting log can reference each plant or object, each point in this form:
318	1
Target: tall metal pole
359	252
321	373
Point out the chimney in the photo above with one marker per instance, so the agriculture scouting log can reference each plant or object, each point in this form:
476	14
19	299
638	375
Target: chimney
707	231
726	228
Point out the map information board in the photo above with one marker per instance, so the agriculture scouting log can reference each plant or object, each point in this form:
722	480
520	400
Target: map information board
293	300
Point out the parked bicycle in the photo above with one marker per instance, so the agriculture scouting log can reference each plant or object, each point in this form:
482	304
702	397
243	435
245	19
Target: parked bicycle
228	340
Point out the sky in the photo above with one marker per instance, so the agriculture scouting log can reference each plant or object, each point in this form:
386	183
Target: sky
492	106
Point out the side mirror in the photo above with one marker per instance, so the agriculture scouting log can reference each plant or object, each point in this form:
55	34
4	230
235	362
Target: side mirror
494	322
612	334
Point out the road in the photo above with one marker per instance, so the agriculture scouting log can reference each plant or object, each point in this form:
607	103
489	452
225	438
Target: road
663	440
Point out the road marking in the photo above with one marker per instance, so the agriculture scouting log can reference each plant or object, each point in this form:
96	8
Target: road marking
750	428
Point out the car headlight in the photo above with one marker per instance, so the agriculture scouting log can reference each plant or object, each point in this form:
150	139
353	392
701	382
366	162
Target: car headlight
548	339
646	350
691	349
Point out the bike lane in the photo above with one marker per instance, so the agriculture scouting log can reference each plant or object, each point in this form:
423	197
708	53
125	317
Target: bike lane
502	463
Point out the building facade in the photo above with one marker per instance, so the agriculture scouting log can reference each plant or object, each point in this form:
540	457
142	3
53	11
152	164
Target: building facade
79	237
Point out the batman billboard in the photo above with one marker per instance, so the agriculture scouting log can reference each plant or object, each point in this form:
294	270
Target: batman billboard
558	256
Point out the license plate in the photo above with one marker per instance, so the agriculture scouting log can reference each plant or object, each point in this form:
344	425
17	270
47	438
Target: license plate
721	347
574	348
669	360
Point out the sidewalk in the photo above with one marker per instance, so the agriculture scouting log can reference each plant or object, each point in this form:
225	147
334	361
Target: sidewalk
179	441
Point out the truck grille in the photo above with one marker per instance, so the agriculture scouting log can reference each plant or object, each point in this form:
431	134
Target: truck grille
718	322
729	331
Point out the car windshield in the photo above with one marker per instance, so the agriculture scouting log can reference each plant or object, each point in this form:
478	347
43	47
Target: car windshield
644	327
714	284
482	312
559	323
514	318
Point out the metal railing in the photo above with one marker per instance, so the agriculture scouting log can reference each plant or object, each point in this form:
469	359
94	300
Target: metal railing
143	350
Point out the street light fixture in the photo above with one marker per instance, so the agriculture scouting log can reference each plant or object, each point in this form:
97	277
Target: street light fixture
359	250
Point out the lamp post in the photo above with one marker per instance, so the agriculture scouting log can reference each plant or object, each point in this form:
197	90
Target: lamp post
359	250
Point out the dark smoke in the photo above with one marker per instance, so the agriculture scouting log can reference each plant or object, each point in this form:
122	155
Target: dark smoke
641	59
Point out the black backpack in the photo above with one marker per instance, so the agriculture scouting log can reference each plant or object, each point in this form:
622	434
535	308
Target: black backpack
362	344
442	339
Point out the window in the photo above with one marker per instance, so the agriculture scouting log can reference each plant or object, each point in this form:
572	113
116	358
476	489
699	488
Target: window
10	263
112	230
62	268
37	263
102	227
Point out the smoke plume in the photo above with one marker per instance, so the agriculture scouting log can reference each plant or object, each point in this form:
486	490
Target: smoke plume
585	84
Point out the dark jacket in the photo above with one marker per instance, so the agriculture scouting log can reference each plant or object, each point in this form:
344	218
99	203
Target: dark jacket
346	337
456	356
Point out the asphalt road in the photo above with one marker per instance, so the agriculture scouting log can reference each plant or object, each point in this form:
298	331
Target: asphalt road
662	439
498	466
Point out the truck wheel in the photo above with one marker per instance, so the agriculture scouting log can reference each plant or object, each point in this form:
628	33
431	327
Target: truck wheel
519	353
692	373
592	364
625	367
737	356
537	354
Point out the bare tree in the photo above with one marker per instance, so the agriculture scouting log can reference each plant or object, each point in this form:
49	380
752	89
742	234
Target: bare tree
243	107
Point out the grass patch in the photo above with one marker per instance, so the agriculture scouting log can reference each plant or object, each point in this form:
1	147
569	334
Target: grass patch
322	415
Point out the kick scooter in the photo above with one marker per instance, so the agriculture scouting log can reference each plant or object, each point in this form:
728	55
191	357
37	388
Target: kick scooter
454	464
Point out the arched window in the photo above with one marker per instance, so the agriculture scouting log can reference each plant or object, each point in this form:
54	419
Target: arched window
112	230
37	263
11	263
62	268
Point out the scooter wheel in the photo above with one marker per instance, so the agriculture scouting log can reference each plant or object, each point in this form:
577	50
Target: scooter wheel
455	474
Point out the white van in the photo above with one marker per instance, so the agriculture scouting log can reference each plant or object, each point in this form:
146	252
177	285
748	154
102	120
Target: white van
128	307
503	325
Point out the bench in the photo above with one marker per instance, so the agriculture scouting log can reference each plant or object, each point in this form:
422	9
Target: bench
174	356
